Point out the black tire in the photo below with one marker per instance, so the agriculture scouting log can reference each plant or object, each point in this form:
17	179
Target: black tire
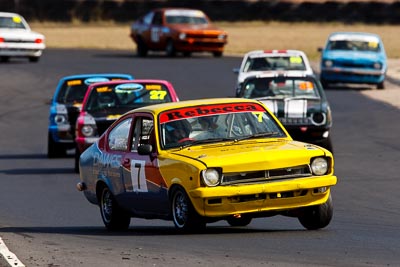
242	221
217	54
380	85
187	54
4	59
55	150
324	83
76	160
184	215
141	48
316	217
327	144
112	215
170	48
34	59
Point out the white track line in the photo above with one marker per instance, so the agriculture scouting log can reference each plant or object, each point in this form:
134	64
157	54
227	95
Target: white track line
9	256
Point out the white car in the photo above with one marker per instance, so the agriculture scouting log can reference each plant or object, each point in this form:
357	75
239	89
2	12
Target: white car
258	61
18	40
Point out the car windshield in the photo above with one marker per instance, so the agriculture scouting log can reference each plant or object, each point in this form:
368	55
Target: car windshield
194	17
274	63
280	87
228	122
354	45
127	96
12	23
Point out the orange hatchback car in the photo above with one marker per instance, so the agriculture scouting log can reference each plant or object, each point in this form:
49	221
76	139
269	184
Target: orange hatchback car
177	30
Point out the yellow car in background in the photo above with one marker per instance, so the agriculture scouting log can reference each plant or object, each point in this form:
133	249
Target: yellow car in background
200	161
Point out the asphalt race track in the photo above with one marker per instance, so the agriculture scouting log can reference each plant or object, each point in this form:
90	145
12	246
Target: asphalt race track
45	221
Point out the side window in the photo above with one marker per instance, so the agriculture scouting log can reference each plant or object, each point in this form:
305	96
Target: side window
118	137
148	18
142	132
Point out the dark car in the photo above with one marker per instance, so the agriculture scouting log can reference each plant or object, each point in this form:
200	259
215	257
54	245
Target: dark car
106	102
297	100
177	30
65	107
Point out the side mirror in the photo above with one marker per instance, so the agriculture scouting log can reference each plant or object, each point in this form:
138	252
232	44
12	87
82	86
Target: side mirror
145	149
235	70
319	49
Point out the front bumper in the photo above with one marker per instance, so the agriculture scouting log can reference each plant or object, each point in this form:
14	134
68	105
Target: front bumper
275	196
352	75
200	45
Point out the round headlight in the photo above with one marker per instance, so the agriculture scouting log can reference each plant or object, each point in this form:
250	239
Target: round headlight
221	36
318	118
182	35
87	130
211	177
60	119
377	65
328	63
319	166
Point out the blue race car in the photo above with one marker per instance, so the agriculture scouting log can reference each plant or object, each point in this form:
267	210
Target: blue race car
353	57
65	107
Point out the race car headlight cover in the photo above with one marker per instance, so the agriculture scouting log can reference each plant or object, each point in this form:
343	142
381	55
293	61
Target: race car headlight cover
60	119
328	63
319	166
211	177
182	36
88	131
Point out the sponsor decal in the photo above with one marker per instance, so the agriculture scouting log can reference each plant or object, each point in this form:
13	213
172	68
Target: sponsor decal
95	80
113	117
16	19
74	82
189	112
128	87
106	160
153	87
158	95
103	89
295	60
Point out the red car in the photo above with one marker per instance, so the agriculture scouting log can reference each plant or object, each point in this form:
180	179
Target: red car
105	102
177	30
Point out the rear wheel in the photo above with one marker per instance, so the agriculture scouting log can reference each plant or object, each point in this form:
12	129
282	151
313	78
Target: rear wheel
54	149
184	215
76	160
4	59
113	216
316	217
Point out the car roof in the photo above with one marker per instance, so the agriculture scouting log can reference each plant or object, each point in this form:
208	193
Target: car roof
9	14
158	108
354	35
274	52
90	75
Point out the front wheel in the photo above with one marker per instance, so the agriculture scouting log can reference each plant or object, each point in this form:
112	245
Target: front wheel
54	149
113	217
316	217
217	54
242	221
184	215
170	48
380	85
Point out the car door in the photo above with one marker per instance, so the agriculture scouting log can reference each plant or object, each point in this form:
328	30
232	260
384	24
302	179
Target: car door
143	181
157	32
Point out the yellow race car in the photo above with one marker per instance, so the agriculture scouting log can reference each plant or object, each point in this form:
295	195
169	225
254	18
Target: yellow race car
200	161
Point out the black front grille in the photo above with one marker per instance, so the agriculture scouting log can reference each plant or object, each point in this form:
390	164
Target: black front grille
266	175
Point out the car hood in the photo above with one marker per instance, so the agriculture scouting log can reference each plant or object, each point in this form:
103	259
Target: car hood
353	55
253	154
21	34
292	107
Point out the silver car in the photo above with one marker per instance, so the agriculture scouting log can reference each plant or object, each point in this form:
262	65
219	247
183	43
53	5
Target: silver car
18	40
